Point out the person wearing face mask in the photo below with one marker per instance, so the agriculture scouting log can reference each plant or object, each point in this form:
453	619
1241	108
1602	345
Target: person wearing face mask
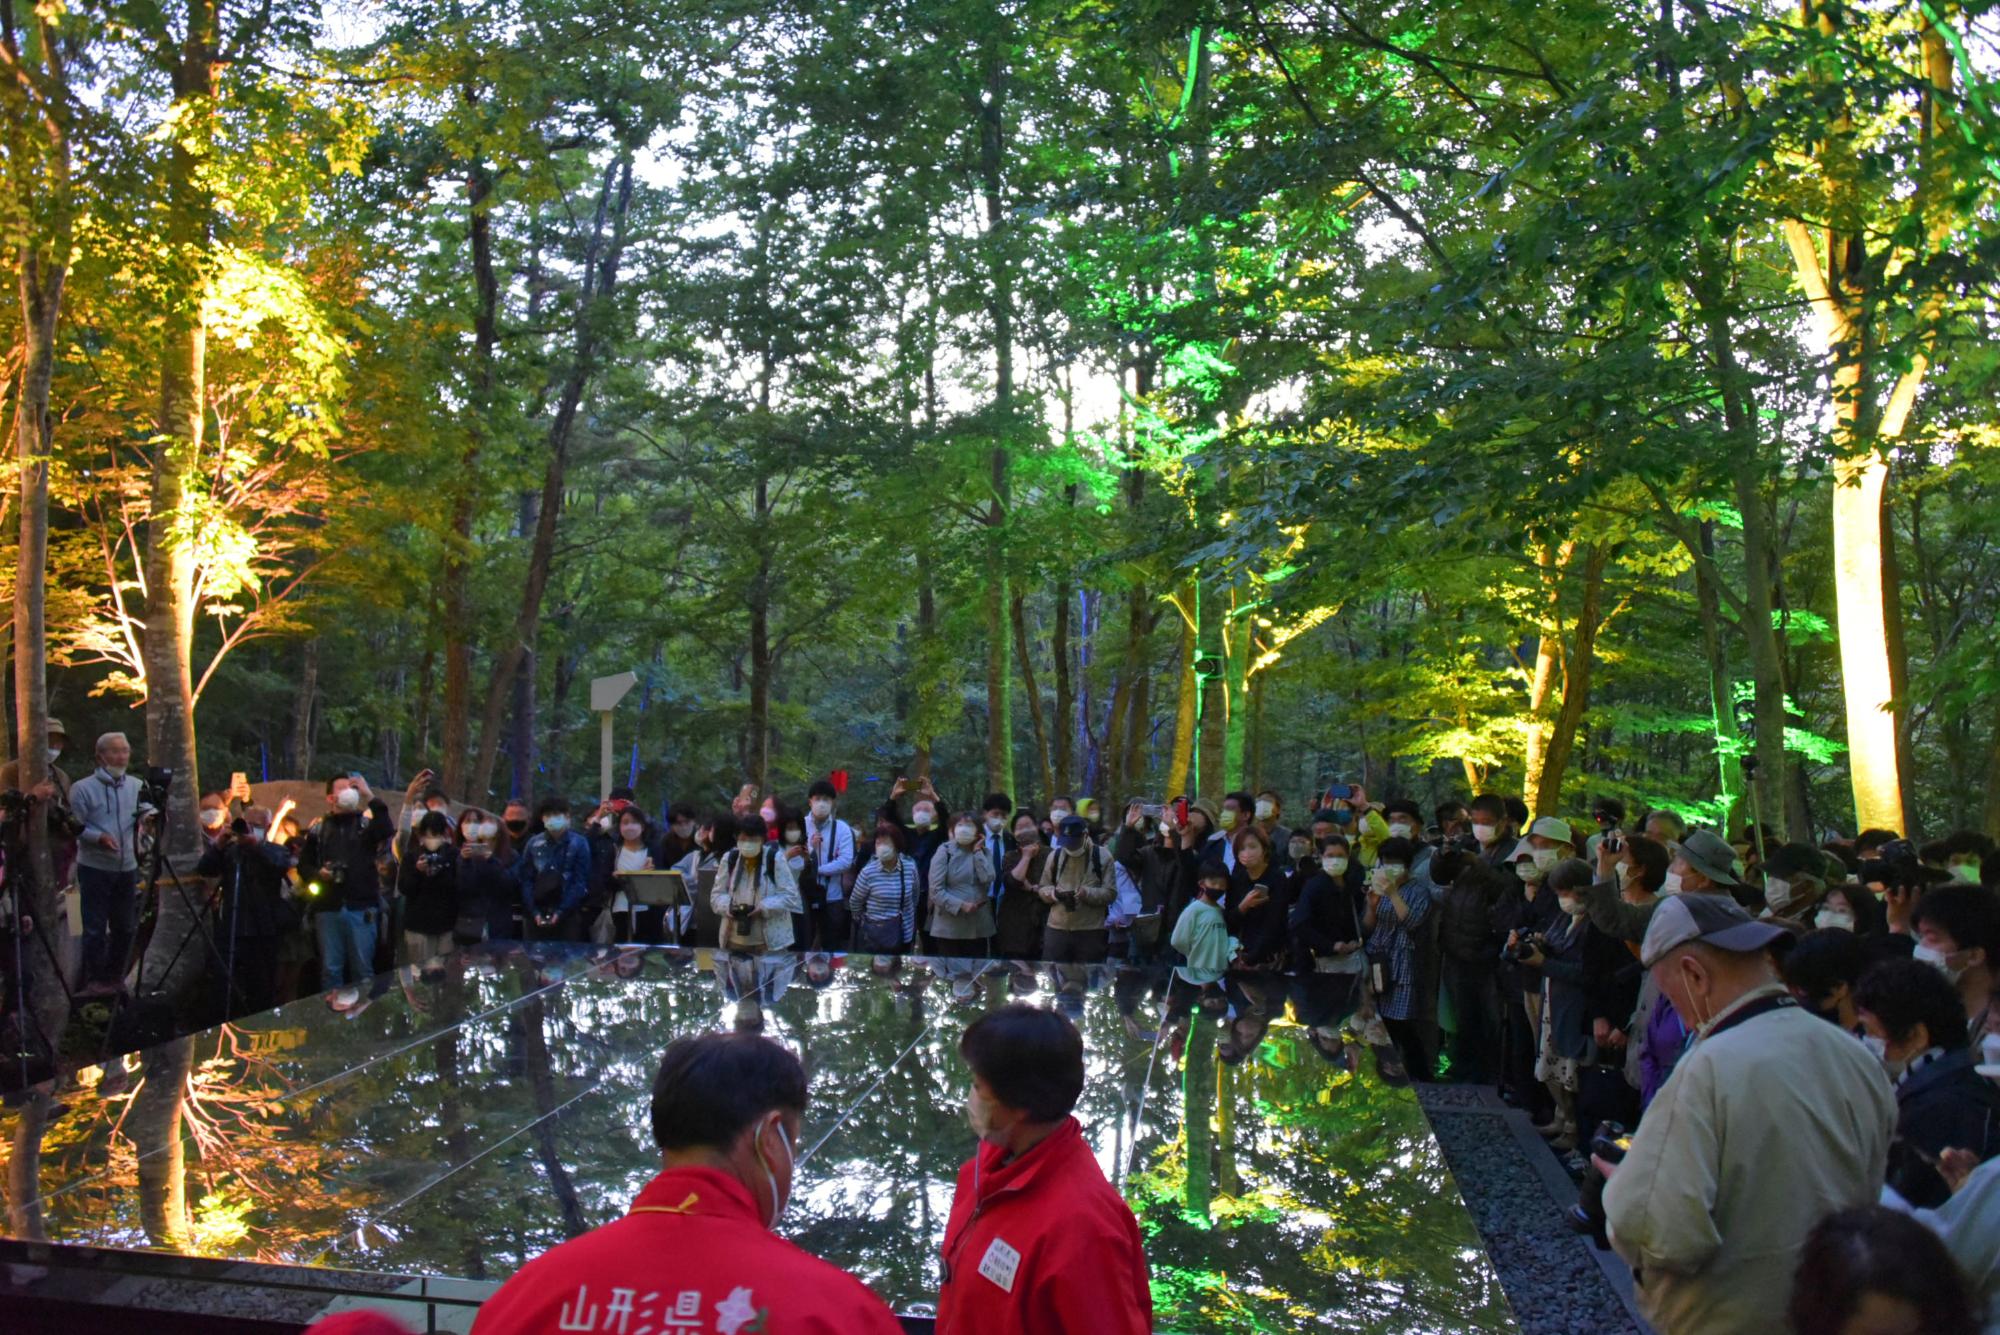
961	898
1258	908
1794	881
1325	917
106	803
516	820
488	898
884	902
998	809
1965	855
1913	1022
428	880
1957	932
1525	907
927	830
1076	885
1493	830
755	893
211	813
1395	909
830	843
1454	822
634	851
697	1242
1022	913
252	914
1822	970
337	862
1267	812
553	873
1772	1121
59	780
1406	821
677	840
1585	994
1038	1242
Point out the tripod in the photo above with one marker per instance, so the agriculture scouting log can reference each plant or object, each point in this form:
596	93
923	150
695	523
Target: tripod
14	911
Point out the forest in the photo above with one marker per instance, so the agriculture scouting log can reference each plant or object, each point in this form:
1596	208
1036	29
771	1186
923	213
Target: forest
1122	398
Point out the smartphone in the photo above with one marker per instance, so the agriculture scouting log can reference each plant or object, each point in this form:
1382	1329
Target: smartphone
1152	810
1340	792
1180	812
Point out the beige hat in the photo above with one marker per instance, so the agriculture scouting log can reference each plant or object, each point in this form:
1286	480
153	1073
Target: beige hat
1549	827
56	726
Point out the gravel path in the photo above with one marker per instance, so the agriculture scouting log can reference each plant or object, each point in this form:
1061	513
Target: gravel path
1556	1284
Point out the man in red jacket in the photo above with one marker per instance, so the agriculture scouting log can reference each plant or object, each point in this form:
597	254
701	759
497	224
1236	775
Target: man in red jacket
696	1251
1039	1243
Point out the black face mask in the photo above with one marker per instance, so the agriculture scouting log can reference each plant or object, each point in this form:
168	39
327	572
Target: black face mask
517	826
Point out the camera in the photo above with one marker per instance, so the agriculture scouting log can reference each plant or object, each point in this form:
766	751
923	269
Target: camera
153	787
1068	898
1525	948
1587	1216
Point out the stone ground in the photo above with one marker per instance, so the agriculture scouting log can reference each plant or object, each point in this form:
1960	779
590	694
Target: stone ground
1519	1194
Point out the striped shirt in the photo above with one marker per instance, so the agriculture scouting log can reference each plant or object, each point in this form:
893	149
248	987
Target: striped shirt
881	894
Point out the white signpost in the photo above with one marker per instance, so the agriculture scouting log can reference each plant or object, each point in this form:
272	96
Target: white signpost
605	693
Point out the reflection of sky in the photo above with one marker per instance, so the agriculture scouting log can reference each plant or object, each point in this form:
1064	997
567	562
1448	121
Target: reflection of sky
442	1133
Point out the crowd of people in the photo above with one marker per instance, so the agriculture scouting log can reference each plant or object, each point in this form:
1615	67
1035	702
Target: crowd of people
1764	1058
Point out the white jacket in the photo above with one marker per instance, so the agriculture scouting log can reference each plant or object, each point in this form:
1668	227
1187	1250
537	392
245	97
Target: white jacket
780	895
1761	1131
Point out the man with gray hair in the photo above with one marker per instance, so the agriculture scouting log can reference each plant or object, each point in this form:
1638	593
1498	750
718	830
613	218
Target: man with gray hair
106	803
1772	1120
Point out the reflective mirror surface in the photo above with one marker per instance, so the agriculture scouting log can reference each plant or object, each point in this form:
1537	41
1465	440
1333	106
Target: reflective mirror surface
1283	1177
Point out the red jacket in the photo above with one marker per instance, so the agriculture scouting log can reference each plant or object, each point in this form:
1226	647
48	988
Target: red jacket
1042	1246
692	1258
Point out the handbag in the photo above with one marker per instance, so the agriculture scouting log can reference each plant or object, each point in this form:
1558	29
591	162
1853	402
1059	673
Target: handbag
468	929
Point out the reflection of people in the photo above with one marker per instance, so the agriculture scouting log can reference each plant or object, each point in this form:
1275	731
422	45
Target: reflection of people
1039	1242
696	1251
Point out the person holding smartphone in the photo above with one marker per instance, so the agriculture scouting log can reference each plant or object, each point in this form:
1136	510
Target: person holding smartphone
337	861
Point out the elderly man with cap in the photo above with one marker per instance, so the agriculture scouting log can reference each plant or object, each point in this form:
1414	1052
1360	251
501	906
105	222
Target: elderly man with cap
10	773
1772	1120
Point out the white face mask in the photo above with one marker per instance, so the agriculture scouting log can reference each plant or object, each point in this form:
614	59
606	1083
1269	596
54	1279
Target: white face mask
254	833
1938	960
1989	1049
995	824
1623	871
433	842
1841	921
965	834
1570	905
1545	858
1529	873
923	818
778	1202
1485	834
1166	830
212	817
1777	892
1333	864
1266	809
556	824
1672	885
886	853
748	849
1056	814
1402	829
347	799
631	834
821	808
1389	875
54	751
486	829
795	836
1880	1047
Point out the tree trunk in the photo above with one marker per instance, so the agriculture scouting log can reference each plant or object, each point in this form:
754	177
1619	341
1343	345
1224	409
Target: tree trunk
170	557
1578	664
1187	697
1000	311
455	592
1721	685
920	762
1767	664
24	1167
1065	703
1550	563
759	745
303	705
154	1123
43	271
1236	694
1990	809
521	749
600	277
1018	617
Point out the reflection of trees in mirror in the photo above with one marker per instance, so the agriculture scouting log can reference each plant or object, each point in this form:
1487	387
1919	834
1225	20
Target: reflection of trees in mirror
482	1119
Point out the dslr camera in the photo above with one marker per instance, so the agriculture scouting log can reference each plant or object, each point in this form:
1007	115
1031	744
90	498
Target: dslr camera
1587	1216
1527	946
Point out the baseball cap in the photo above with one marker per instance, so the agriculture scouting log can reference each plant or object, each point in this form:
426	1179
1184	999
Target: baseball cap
1707	853
1549	827
1714	920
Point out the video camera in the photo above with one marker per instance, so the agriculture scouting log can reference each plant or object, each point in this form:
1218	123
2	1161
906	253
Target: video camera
154	785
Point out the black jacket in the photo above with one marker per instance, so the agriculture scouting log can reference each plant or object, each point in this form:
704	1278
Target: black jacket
251	878
429	884
1262	933
1465	931
1942	1104
487	886
346	841
1165	876
1325	913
